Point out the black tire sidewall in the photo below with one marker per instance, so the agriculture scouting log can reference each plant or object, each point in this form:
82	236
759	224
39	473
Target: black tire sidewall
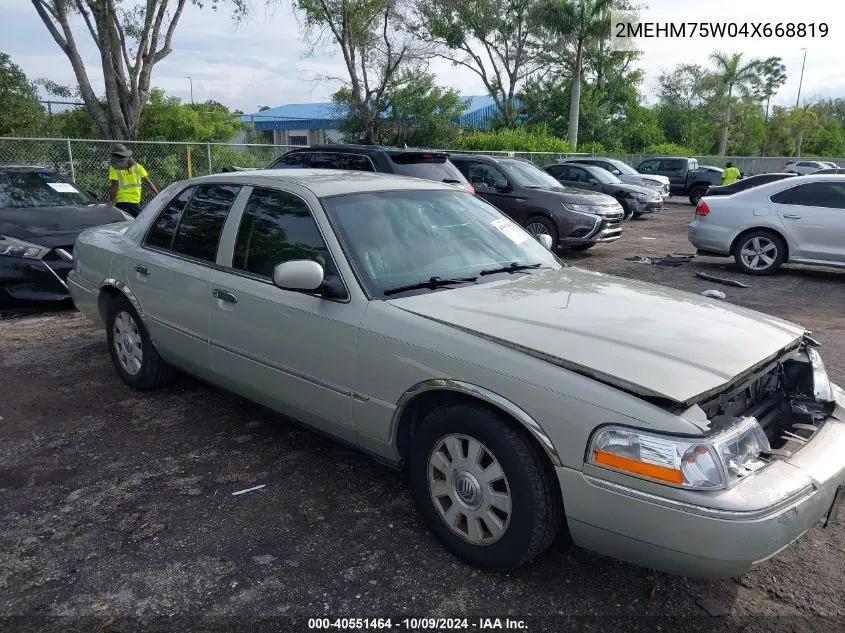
508	551
693	199
769	235
144	378
550	227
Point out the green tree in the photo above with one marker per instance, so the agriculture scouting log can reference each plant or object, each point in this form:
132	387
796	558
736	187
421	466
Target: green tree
576	23
687	107
495	39
734	75
21	114
169	119
131	36
748	129
376	52
772	73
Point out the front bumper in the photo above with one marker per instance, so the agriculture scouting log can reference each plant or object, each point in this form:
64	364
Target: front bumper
757	518
592	228
25	279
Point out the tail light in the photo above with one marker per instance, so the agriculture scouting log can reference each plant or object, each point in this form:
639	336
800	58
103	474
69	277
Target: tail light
702	209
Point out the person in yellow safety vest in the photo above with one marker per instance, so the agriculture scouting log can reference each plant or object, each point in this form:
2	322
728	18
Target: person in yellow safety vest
126	178
730	175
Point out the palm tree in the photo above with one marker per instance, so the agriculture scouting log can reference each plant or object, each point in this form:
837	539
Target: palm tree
734	75
576	22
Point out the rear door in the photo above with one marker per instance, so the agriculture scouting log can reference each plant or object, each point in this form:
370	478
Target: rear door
170	273
814	215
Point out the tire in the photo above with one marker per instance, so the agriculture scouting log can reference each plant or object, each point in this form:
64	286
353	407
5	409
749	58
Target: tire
533	497
582	247
127	336
766	243
533	224
629	215
696	193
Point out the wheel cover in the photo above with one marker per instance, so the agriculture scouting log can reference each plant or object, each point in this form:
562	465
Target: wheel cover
127	343
537	228
469	489
759	253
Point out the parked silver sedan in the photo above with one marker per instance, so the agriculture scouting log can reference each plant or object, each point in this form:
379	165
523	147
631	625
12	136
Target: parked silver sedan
418	323
799	219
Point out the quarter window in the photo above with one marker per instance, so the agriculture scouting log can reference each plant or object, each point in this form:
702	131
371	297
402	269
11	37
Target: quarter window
164	228
202	222
277	227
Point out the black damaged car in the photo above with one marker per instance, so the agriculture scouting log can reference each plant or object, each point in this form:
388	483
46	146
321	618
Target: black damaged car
41	213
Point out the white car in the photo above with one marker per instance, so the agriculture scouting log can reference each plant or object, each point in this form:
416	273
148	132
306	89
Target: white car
799	219
624	172
806	166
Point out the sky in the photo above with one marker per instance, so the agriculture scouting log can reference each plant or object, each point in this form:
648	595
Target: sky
261	61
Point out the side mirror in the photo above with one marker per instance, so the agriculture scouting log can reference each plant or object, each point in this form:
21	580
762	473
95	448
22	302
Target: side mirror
501	185
546	240
299	274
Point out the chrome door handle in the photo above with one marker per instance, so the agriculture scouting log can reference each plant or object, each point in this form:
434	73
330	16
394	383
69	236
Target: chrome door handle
142	270
224	295
791	216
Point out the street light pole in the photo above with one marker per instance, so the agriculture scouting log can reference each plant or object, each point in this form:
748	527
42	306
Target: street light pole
192	88
801	81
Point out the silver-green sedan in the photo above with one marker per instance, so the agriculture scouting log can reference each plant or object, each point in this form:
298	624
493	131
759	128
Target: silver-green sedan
418	323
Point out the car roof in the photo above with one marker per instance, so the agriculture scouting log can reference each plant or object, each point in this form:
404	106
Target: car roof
324	182
352	147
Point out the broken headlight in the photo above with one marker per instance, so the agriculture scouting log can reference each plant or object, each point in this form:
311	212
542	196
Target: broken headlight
710	463
13	247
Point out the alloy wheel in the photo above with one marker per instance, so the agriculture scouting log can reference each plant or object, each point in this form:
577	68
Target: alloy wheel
759	253
127	343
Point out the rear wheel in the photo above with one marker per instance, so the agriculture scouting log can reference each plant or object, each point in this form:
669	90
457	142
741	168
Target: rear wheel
136	360
484	487
540	225
696	193
759	252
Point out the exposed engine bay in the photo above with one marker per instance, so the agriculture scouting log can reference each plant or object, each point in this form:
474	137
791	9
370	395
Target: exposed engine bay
790	398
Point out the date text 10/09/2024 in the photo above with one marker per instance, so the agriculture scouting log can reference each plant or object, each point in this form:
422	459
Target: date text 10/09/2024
418	624
624	29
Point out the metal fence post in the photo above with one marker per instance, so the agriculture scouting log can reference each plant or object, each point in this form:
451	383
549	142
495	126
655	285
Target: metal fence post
208	148
70	158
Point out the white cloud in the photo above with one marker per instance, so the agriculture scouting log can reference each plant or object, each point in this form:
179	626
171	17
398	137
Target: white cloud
259	62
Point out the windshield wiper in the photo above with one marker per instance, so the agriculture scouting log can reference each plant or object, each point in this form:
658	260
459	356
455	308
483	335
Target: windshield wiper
431	283
452	181
510	268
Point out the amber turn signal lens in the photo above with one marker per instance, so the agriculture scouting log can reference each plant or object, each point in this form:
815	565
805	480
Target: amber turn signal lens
637	467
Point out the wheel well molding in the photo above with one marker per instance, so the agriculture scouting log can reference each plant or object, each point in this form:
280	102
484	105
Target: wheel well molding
124	290
482	394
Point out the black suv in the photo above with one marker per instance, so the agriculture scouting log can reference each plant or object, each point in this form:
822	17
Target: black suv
419	163
574	218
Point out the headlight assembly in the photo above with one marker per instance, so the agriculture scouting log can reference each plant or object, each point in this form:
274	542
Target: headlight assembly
13	247
584	208
719	461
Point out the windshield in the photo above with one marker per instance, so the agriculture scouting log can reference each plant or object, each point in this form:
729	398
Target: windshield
624	168
453	235
23	188
527	175
604	177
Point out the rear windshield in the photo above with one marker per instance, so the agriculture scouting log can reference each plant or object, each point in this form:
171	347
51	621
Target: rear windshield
430	167
20	189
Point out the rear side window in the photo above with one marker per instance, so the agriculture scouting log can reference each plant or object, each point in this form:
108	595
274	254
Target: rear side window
673	165
202	222
326	160
427	166
276	227
291	159
164	228
356	162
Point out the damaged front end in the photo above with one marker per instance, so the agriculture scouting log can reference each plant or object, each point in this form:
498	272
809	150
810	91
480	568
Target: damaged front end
788	399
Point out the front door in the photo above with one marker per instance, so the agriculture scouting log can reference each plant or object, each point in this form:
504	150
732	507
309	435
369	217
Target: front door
170	273
578	177
484	177
814	216
291	351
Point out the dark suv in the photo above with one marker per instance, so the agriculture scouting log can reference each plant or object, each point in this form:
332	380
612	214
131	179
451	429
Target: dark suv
419	163
574	218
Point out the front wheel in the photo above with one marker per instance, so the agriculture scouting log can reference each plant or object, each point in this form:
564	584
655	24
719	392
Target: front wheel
759	252
695	194
484	487
541	225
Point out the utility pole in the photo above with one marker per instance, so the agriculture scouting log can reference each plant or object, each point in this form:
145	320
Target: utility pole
801	81
192	88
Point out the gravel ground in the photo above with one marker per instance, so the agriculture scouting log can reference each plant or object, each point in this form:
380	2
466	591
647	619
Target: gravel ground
118	506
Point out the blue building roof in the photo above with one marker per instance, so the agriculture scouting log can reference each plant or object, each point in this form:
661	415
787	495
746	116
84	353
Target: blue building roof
329	116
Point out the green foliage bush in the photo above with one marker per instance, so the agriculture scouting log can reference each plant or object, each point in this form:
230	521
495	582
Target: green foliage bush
518	140
670	149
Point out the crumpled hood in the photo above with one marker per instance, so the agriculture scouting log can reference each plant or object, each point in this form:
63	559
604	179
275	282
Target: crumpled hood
33	222
644	338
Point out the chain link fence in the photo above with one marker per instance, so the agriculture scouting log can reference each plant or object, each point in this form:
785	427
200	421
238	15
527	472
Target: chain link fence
86	162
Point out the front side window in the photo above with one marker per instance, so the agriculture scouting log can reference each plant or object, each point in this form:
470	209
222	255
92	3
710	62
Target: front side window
202	221
20	189
276	227
291	159
484	175
163	230
453	233
649	166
